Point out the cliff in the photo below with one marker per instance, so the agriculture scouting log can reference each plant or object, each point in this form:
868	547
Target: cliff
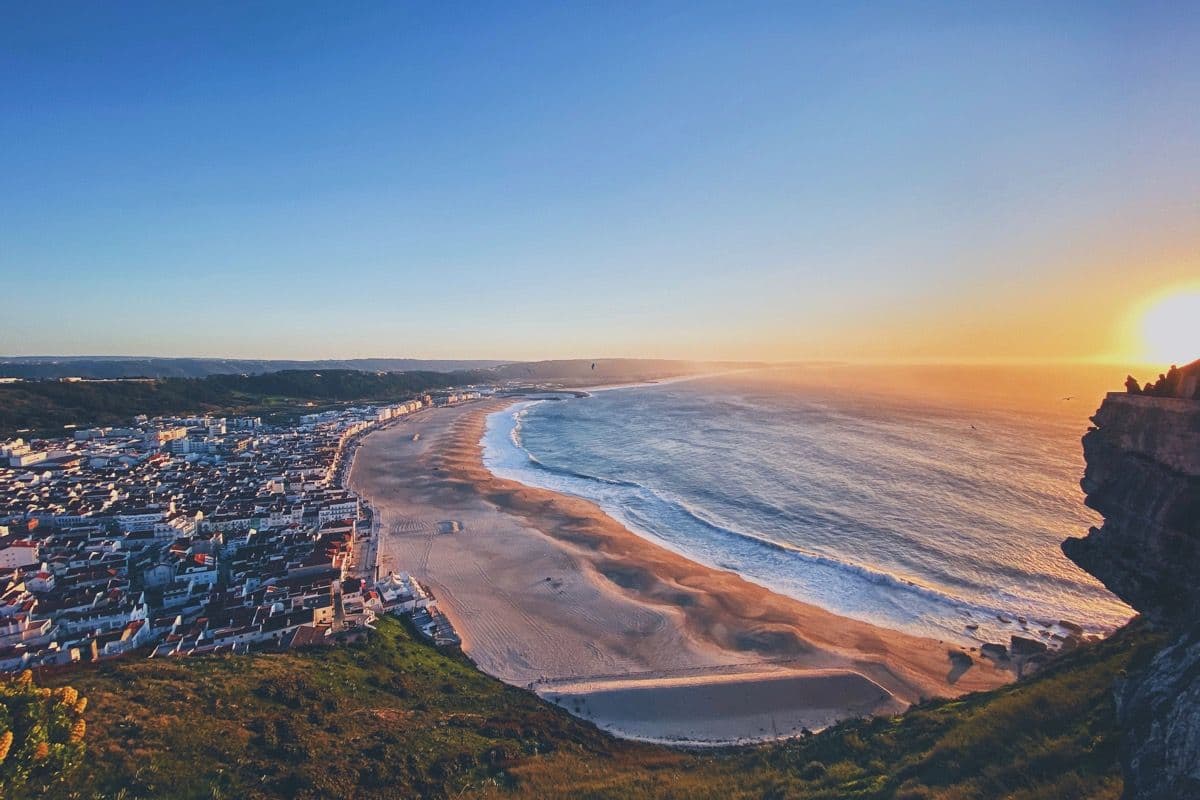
1143	476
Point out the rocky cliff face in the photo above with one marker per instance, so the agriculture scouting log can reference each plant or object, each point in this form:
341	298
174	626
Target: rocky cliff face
1143	476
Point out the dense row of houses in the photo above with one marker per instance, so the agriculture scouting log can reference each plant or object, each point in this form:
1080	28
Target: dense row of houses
187	535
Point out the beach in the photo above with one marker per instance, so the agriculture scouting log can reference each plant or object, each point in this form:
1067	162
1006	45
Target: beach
550	593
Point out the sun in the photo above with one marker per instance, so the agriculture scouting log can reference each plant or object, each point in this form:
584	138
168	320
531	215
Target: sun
1169	327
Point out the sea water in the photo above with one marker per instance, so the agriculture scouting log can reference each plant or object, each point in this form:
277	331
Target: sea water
925	501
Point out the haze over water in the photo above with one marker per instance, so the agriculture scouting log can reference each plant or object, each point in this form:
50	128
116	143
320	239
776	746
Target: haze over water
923	499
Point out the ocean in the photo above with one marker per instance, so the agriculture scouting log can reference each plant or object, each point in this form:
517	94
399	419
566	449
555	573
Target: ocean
924	499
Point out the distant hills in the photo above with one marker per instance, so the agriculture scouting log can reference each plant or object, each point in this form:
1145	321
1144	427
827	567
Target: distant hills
102	367
111	391
579	372
116	367
46	406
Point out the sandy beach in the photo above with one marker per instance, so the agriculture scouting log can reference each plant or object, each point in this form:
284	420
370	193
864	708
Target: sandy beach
551	593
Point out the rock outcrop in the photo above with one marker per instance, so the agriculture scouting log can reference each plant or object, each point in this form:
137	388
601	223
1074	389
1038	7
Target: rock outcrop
1143	476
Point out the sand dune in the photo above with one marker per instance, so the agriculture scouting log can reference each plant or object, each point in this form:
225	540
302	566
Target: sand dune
551	593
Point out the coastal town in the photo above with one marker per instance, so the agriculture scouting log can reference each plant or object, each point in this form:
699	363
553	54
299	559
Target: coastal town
175	536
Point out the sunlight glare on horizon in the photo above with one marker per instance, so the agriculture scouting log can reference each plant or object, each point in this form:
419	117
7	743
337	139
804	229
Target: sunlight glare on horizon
1168	328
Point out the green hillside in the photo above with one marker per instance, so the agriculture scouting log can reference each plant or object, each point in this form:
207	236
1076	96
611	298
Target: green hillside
46	406
394	718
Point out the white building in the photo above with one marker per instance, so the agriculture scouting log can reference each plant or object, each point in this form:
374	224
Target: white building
332	512
21	553
26	459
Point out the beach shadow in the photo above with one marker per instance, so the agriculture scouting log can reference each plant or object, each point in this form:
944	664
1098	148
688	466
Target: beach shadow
960	662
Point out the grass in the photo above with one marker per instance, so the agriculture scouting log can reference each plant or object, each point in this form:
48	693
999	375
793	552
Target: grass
395	718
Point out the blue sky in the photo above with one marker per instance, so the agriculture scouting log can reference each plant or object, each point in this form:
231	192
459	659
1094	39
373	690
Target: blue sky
540	180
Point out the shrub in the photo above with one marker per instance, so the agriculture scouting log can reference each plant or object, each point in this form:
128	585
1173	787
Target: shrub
41	733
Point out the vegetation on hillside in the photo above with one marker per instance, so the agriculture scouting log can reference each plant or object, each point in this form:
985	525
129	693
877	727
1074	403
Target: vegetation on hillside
589	369
46	406
110	367
395	718
41	735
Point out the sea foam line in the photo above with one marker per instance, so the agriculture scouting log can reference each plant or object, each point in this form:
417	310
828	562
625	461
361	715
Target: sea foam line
523	466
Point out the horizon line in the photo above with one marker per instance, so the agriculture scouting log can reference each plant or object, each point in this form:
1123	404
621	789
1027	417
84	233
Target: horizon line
1014	361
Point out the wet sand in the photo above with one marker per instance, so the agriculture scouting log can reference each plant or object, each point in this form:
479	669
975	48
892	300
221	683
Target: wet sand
549	592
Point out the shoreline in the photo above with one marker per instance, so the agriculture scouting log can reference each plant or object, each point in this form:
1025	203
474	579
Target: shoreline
551	593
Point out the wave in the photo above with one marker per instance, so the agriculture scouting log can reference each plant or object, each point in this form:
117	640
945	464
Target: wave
515	437
539	464
646	510
878	578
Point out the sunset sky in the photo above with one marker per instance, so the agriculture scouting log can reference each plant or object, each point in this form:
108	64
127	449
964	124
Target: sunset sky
766	180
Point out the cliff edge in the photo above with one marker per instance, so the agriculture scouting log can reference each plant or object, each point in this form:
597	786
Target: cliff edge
1143	476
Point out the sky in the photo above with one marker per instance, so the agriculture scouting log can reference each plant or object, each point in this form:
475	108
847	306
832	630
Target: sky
777	181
